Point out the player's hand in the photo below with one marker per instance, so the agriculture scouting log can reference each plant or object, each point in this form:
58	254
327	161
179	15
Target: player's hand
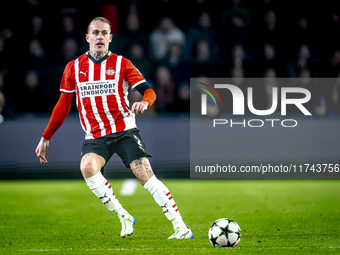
139	107
41	149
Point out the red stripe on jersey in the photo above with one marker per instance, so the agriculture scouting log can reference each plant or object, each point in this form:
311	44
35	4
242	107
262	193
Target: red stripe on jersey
103	116
174	206
96	73
116	114
167	194
176	210
83	68
110	73
170	198
82	75
80	110
106	183
82	121
120	125
95	131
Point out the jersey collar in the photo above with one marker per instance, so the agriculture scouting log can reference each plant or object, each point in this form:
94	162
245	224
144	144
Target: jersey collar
100	60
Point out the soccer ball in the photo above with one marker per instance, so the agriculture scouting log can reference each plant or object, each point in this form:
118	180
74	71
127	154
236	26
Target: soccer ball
224	233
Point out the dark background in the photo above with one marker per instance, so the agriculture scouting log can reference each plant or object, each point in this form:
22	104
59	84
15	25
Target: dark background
234	38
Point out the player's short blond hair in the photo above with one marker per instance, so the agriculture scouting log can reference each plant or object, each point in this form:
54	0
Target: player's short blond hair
100	19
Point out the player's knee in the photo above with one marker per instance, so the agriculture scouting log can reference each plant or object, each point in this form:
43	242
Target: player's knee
89	167
87	170
91	164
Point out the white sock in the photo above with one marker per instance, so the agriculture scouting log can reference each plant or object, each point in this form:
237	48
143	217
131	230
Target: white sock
103	190
163	198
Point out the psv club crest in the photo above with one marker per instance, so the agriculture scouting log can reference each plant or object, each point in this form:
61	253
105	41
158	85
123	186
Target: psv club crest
110	71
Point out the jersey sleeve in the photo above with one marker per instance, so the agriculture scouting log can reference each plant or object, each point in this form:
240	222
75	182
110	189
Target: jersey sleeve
132	75
60	111
68	83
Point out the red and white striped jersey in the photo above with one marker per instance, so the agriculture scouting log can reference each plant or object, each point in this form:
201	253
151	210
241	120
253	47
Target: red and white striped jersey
102	92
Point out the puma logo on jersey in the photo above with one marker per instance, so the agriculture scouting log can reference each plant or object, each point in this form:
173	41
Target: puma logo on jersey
84	73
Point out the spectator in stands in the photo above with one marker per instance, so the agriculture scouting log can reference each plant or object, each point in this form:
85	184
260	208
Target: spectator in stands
204	64
36	26
270	20
36	55
182	97
237	76
239	58
303	34
160	38
69	49
132	35
334	64
304	60
203	30
31	95
236	23
68	25
164	88
139	59
178	67
270	59
270	31
180	72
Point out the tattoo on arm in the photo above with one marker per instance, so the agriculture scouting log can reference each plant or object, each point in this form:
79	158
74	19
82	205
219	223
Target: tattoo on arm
141	168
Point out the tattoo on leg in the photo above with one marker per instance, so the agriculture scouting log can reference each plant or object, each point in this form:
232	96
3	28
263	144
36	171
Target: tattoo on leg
141	168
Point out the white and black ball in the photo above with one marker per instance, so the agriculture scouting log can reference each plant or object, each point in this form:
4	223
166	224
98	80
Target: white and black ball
224	233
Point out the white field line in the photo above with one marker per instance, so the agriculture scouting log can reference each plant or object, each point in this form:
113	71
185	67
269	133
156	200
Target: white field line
184	248
129	187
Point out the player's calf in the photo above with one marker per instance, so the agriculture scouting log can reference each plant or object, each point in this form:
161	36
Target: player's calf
165	200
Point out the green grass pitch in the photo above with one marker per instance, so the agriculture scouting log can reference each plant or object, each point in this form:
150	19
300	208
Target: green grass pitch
297	216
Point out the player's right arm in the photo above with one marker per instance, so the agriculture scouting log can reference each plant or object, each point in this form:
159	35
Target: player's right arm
60	111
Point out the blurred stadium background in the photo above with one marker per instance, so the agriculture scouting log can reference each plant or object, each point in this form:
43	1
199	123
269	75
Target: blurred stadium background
169	41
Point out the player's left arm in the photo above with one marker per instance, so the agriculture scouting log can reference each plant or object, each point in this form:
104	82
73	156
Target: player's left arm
149	97
137	81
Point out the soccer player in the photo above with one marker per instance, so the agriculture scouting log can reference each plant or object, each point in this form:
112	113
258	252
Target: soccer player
100	79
